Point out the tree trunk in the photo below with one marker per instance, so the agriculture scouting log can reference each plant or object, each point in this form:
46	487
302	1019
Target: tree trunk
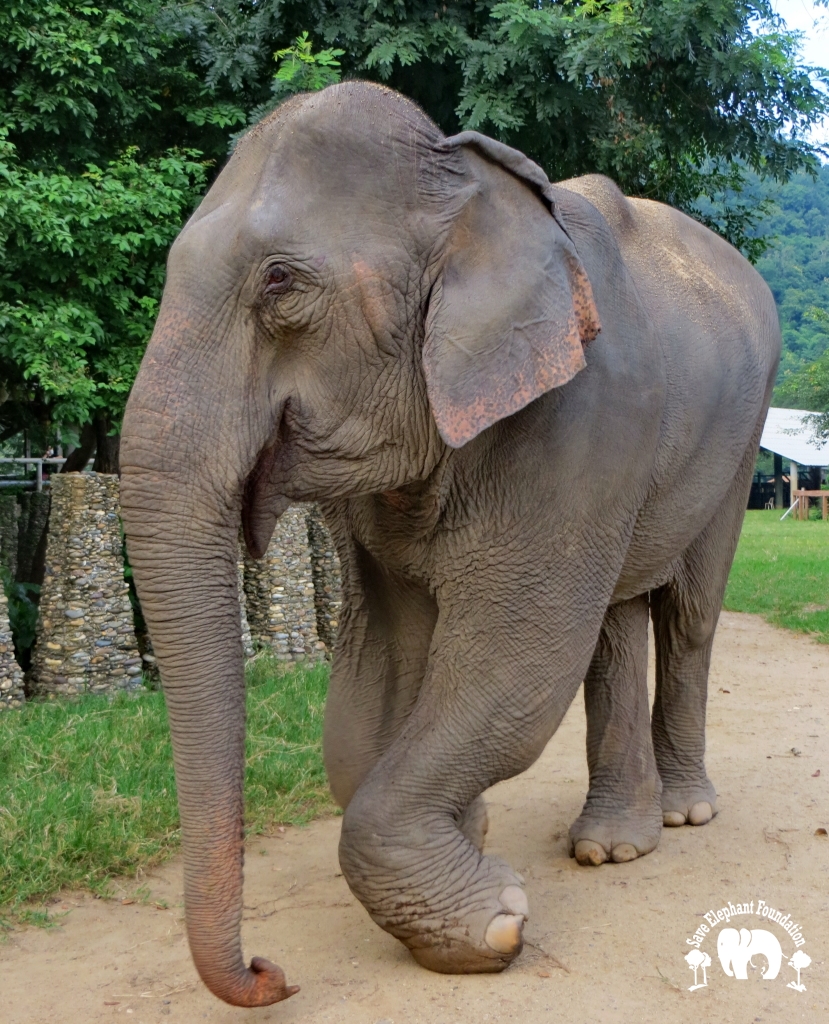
107	447
77	459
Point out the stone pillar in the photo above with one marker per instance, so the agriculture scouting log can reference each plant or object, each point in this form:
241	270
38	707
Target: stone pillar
280	593
325	570
247	639
85	636
11	678
9	513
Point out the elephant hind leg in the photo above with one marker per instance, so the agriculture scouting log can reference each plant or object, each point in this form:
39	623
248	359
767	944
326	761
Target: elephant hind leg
621	819
685	613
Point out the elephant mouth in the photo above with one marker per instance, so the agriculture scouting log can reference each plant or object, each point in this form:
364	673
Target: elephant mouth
263	498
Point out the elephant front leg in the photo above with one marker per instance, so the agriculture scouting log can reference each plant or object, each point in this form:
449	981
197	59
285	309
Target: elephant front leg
485	712
622	817
386	626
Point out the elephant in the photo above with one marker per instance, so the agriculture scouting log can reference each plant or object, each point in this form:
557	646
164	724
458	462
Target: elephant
737	948
530	414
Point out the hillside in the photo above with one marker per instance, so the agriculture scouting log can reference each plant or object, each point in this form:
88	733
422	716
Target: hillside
796	264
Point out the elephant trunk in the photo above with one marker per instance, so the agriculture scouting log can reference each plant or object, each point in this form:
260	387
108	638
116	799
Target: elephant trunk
181	522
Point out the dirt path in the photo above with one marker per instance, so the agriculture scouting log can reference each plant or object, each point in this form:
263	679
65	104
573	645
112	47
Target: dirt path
603	944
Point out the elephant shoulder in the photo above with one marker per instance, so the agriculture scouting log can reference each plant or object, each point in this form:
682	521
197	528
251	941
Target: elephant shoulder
607	198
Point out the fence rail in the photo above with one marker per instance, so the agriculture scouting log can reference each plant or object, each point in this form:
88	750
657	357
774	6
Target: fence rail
38	464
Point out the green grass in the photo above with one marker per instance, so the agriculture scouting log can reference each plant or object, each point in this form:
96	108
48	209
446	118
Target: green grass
87	790
781	571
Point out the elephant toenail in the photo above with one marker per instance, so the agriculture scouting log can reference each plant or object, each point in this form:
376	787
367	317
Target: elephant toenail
624	852
589	852
514	900
700	813
673	819
504	933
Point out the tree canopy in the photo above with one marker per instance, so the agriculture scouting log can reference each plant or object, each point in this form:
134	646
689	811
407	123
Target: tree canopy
796	264
92	192
113	120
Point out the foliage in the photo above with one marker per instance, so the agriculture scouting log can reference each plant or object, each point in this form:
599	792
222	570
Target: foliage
809	389
93	101
22	609
674	99
81	83
87	789
81	270
781	571
300	70
796	265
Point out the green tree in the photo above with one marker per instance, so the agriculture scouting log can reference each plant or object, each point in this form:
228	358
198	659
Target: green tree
81	271
796	264
94	102
809	387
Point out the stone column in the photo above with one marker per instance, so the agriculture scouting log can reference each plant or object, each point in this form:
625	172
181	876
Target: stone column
11	678
325	569
247	639
280	593
85	635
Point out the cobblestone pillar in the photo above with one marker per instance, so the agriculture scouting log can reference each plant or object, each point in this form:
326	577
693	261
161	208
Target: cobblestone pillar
280	593
247	639
85	636
11	678
325	570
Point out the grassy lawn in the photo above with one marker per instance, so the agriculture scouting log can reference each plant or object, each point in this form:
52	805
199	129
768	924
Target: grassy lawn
87	788
781	572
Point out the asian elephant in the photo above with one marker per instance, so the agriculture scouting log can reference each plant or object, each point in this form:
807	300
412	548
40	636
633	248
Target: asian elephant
736	949
530	412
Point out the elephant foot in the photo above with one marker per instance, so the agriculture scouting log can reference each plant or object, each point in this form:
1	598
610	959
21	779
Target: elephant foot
595	839
485	937
474	823
695	804
457	911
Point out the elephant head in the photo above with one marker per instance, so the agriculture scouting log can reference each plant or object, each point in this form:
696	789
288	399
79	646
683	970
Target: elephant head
737	948
355	296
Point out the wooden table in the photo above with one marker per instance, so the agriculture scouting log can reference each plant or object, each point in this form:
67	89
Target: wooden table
802	510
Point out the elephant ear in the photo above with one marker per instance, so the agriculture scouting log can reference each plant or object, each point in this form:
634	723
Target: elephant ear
512	307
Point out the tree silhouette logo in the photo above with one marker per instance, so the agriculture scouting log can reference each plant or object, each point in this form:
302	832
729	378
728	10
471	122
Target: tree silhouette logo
696	959
745	950
798	962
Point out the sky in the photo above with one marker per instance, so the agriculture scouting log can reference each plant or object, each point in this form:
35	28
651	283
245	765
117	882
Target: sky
813	21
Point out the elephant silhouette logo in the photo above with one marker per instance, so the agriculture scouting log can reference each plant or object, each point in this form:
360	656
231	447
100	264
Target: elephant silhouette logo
736	949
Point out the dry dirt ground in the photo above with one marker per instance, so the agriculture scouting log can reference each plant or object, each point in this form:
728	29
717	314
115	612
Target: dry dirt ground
603	944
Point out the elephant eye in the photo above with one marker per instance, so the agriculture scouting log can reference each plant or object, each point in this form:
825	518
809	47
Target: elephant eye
278	280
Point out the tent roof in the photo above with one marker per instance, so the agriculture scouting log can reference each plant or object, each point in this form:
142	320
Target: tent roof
786	434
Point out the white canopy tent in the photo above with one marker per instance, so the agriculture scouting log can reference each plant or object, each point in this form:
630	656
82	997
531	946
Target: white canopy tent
786	434
789	434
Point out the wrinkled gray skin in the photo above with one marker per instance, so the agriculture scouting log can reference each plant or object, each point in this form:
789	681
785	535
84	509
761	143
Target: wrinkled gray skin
353	293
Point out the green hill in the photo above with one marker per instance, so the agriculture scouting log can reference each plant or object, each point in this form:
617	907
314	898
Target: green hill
796	264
